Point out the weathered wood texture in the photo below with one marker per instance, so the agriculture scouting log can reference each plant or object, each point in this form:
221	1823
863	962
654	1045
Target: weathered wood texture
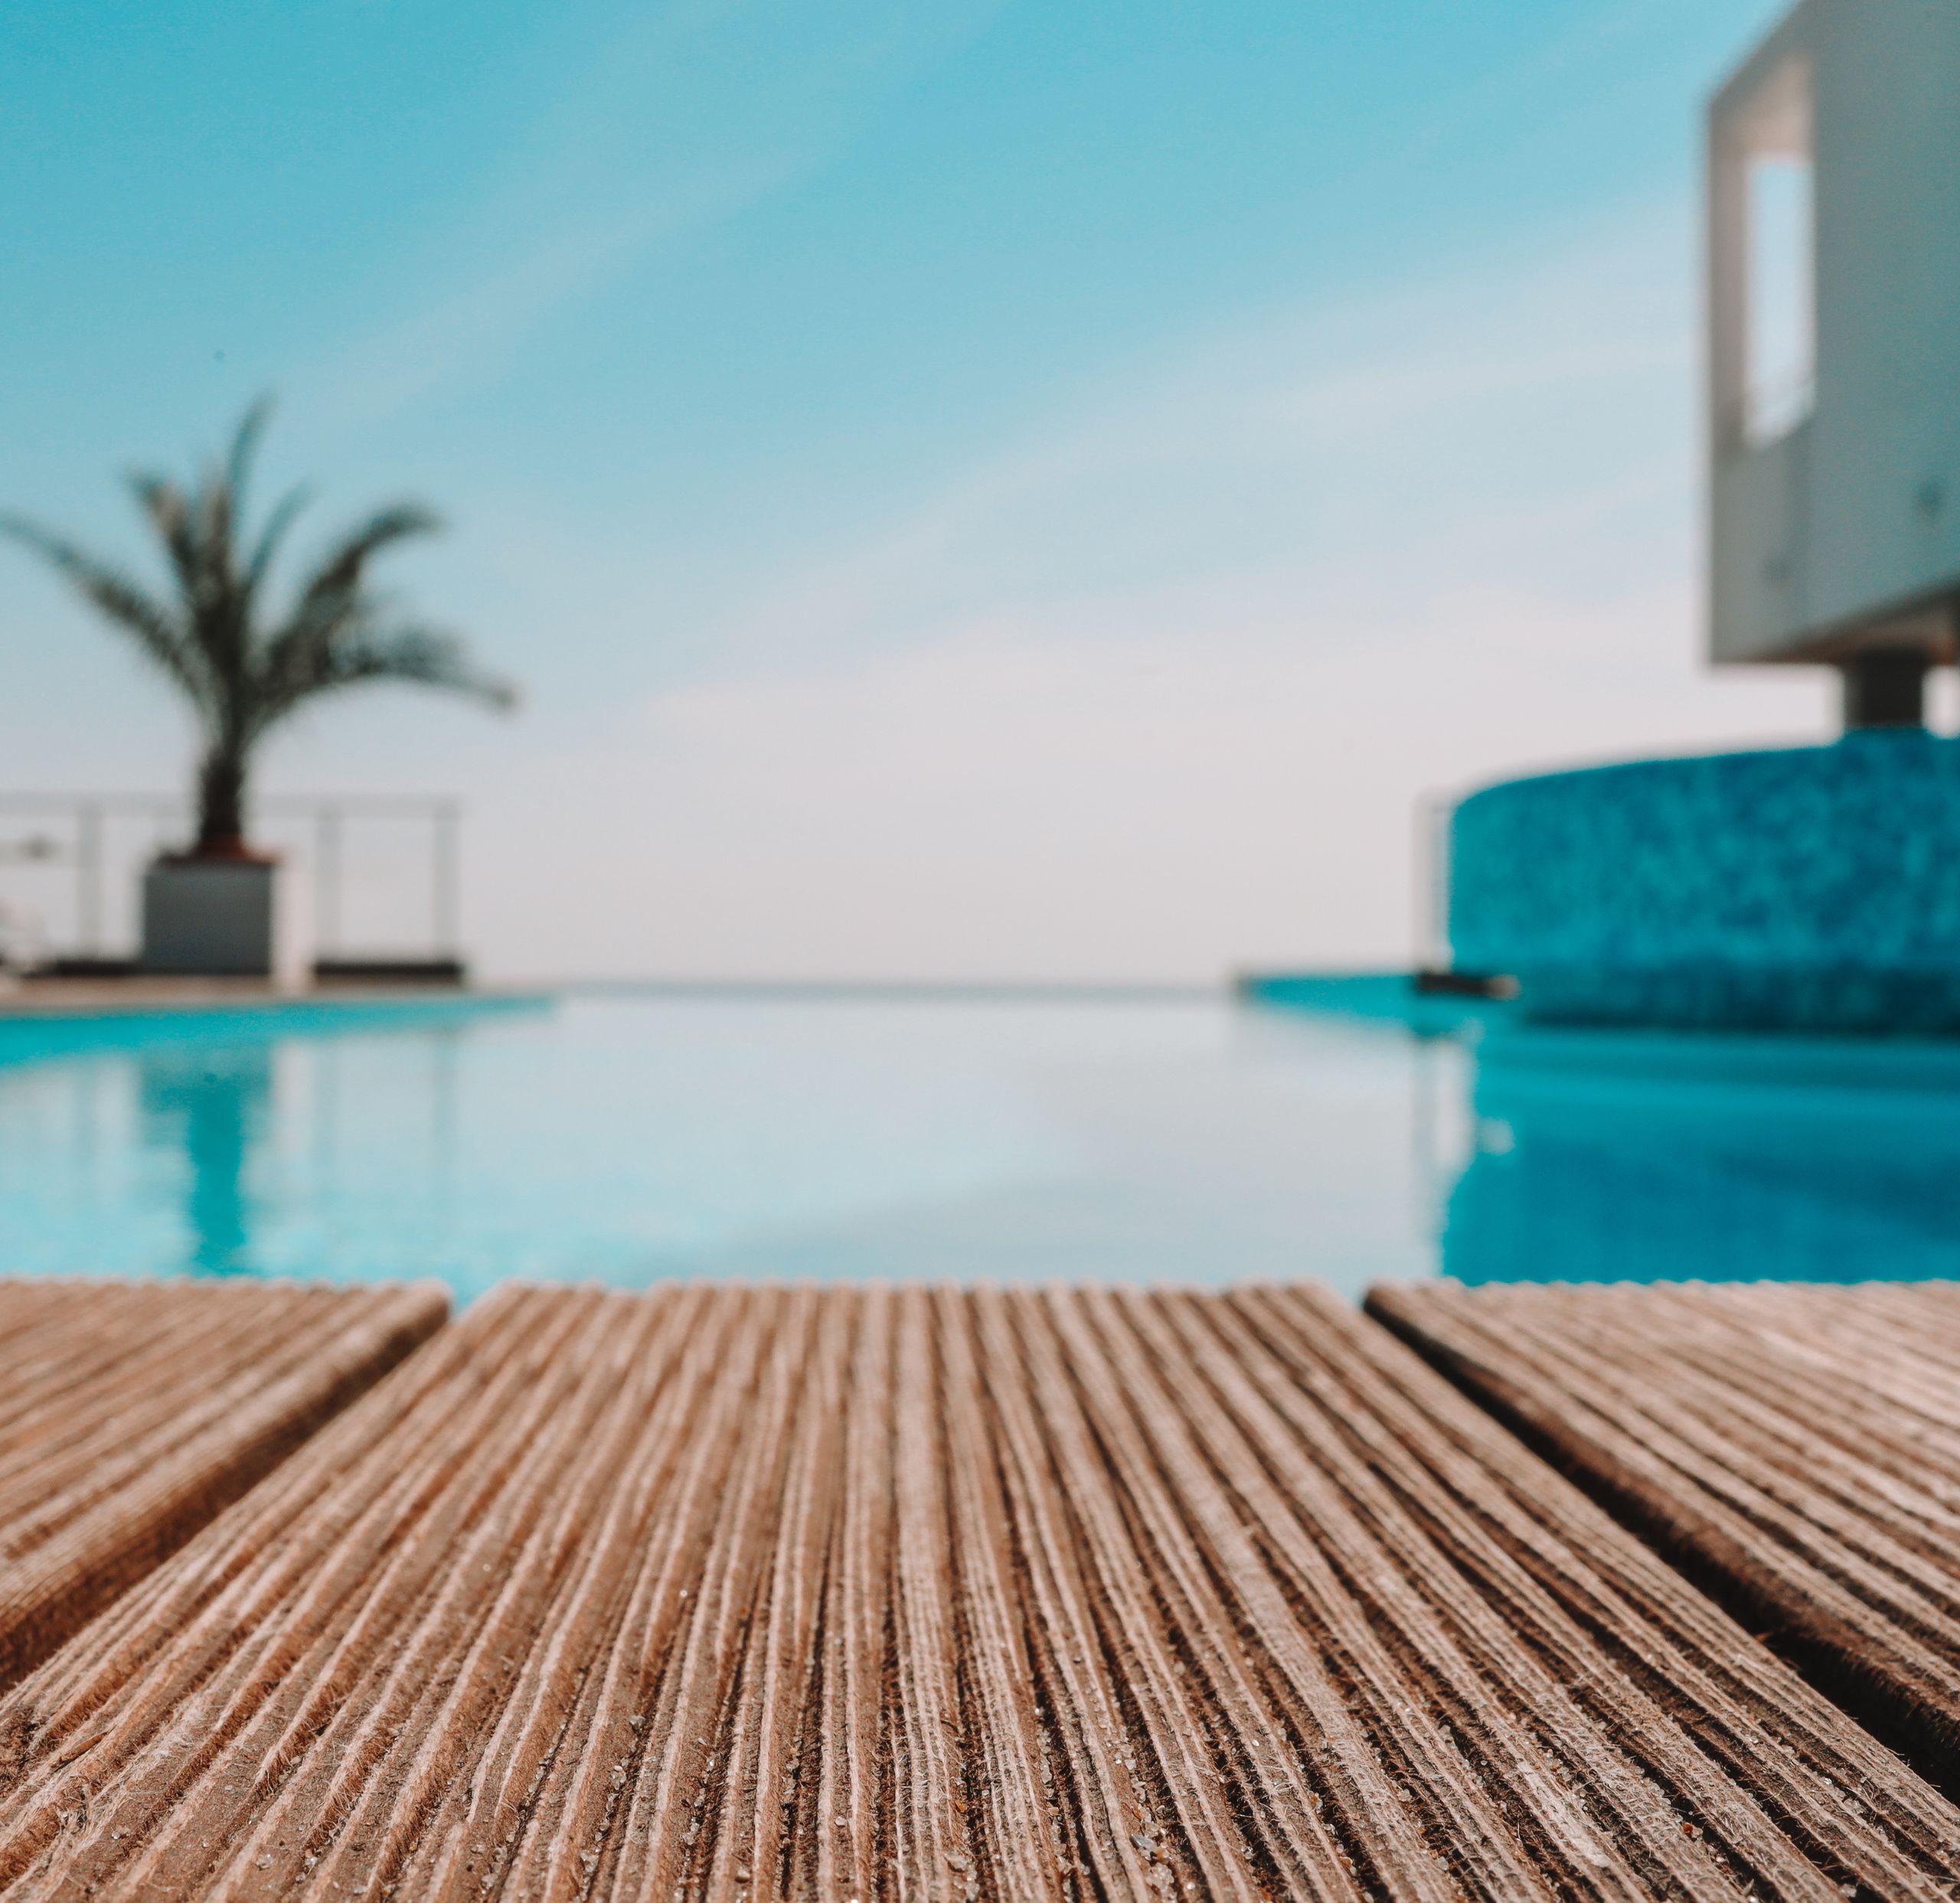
710	1593
131	1414
1796	1449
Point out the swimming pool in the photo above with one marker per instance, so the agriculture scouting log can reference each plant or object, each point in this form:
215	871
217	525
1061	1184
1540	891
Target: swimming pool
627	1137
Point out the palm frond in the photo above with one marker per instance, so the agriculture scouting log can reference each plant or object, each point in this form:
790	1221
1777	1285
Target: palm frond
336	611
362	645
159	633
212	514
170	514
244	447
220	502
412	651
270	537
338	574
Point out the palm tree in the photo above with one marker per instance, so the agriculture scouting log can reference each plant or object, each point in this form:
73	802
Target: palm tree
243	670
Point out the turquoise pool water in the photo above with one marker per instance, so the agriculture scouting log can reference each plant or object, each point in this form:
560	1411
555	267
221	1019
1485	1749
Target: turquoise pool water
631	1137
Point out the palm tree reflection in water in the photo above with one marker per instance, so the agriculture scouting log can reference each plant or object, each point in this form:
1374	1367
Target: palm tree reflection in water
213	1106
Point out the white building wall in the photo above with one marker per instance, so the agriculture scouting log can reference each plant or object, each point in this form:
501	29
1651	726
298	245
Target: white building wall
1844	530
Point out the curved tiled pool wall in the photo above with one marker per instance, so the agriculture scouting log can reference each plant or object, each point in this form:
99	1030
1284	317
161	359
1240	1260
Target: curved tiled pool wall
1807	888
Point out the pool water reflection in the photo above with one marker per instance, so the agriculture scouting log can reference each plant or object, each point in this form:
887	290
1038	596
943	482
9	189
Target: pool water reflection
1635	1158
212	1108
629	1138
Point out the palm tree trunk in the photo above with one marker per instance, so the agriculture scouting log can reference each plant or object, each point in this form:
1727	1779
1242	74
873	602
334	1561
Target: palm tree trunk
221	802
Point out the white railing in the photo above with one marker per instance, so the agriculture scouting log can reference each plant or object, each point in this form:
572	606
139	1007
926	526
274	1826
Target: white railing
69	864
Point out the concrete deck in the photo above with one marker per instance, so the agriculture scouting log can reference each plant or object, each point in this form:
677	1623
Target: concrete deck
721	1593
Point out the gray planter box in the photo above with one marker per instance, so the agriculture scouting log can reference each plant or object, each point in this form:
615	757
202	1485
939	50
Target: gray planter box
211	918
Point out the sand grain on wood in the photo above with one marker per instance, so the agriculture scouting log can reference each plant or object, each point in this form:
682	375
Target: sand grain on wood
729	1594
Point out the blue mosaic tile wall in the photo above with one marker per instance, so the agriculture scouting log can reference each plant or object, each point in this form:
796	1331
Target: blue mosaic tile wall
1813	888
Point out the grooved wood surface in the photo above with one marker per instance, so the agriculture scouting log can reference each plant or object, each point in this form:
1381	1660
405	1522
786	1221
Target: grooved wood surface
131	1413
875	1594
1797	1448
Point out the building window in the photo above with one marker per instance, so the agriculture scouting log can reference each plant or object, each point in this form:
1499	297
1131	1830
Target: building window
1763	279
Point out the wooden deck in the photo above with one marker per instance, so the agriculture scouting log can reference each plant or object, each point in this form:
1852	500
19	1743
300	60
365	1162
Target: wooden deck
1797	1449
131	1415
858	1595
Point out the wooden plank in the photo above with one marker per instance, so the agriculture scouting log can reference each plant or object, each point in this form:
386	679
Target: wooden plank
1795	1448
132	1414
738	1594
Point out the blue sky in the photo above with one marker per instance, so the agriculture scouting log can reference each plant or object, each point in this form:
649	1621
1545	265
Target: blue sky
970	488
